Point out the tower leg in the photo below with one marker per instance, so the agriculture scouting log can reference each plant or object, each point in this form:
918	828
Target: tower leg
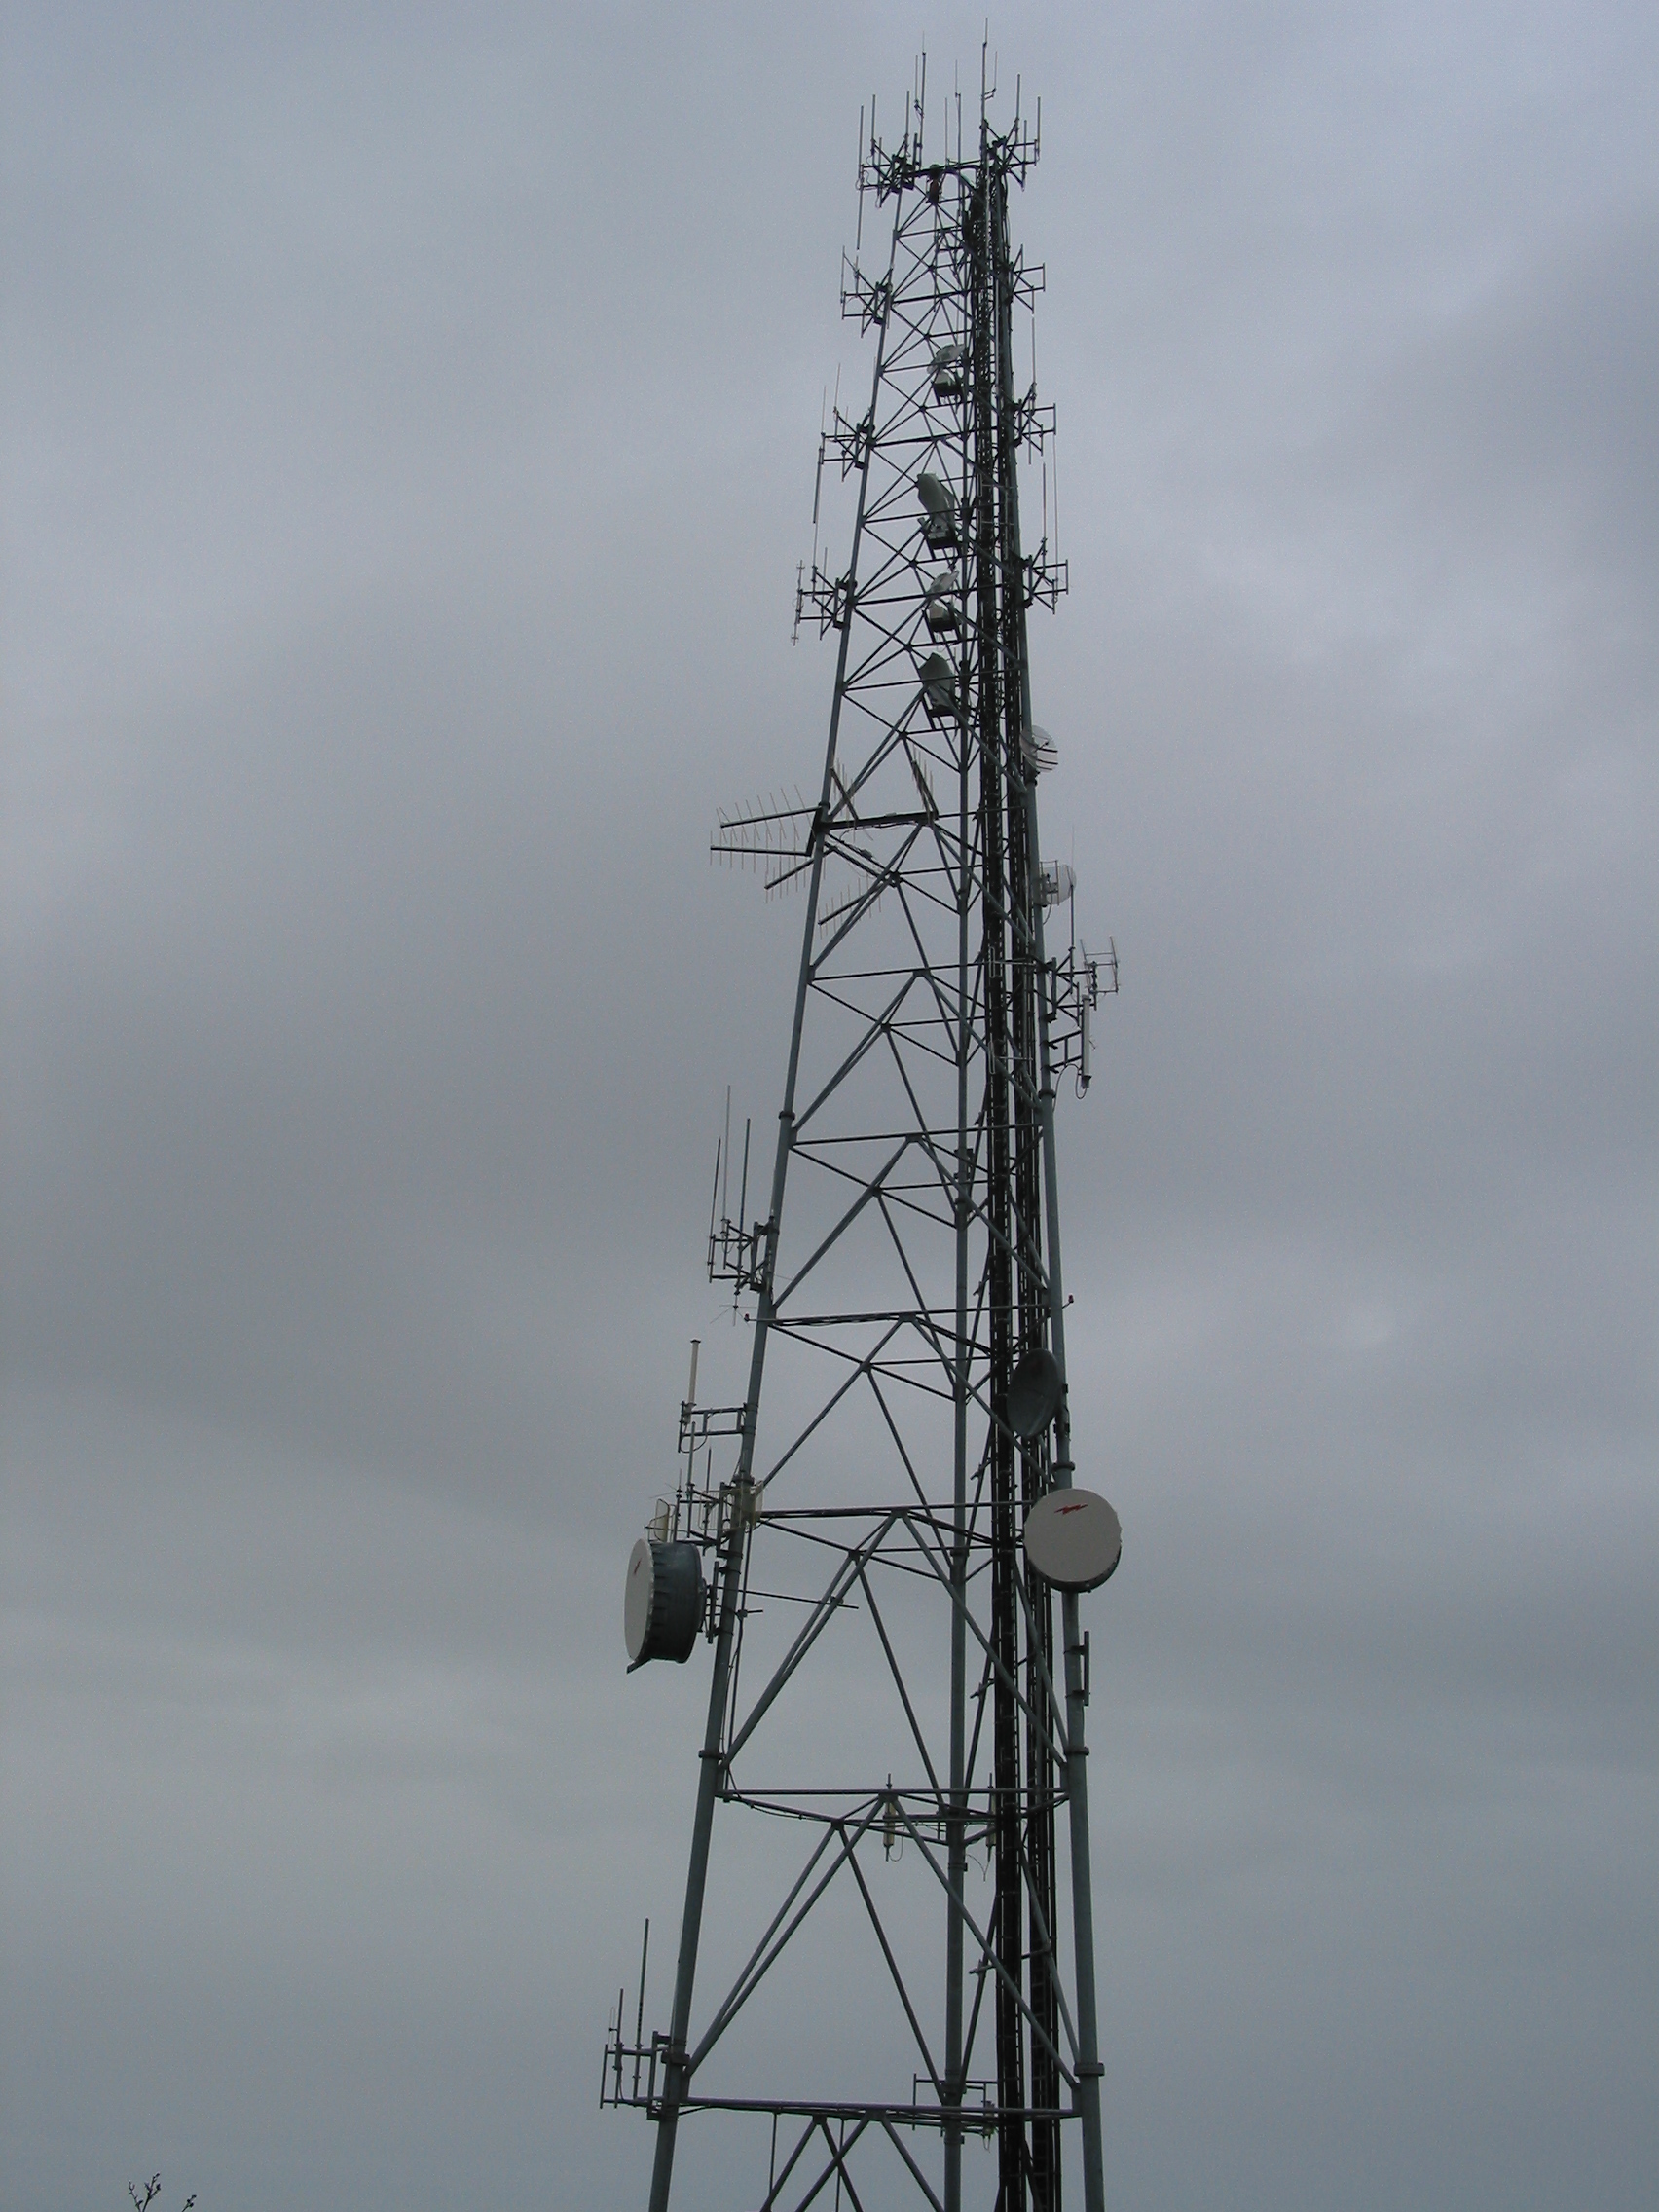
696	1877
1088	2069
957	1840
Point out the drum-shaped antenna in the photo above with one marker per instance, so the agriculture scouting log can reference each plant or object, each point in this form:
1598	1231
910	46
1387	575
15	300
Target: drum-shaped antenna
662	1603
936	495
1073	1538
1034	1392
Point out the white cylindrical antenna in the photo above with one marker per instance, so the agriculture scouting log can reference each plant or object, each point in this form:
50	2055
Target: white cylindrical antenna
725	1186
691	1387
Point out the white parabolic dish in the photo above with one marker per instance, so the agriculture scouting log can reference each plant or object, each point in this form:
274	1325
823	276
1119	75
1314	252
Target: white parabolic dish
1073	1538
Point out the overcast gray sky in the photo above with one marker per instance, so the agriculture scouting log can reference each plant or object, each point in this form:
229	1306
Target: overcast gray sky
410	421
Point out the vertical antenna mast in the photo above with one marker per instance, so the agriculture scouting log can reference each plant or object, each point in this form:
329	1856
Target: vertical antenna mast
877	1568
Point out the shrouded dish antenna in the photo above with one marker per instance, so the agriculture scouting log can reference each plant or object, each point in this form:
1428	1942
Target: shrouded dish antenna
662	1605
947	368
1073	1538
935	494
939	607
939	688
1034	1393
938	510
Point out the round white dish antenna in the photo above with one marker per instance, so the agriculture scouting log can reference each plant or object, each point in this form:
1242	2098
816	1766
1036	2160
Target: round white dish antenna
1073	1538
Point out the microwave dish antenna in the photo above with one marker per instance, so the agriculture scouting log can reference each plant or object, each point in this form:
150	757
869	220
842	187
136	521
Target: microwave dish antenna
1035	1389
1074	1539
662	1603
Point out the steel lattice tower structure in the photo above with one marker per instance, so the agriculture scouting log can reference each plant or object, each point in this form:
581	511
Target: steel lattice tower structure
904	1287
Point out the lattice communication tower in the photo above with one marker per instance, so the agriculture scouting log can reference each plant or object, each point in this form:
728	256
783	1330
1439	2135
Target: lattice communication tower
901	1498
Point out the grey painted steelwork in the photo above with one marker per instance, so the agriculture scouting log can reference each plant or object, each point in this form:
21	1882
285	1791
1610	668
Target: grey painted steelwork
916	1284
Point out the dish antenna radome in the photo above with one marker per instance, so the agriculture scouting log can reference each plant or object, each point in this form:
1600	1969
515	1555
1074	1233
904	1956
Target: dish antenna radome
1073	1538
